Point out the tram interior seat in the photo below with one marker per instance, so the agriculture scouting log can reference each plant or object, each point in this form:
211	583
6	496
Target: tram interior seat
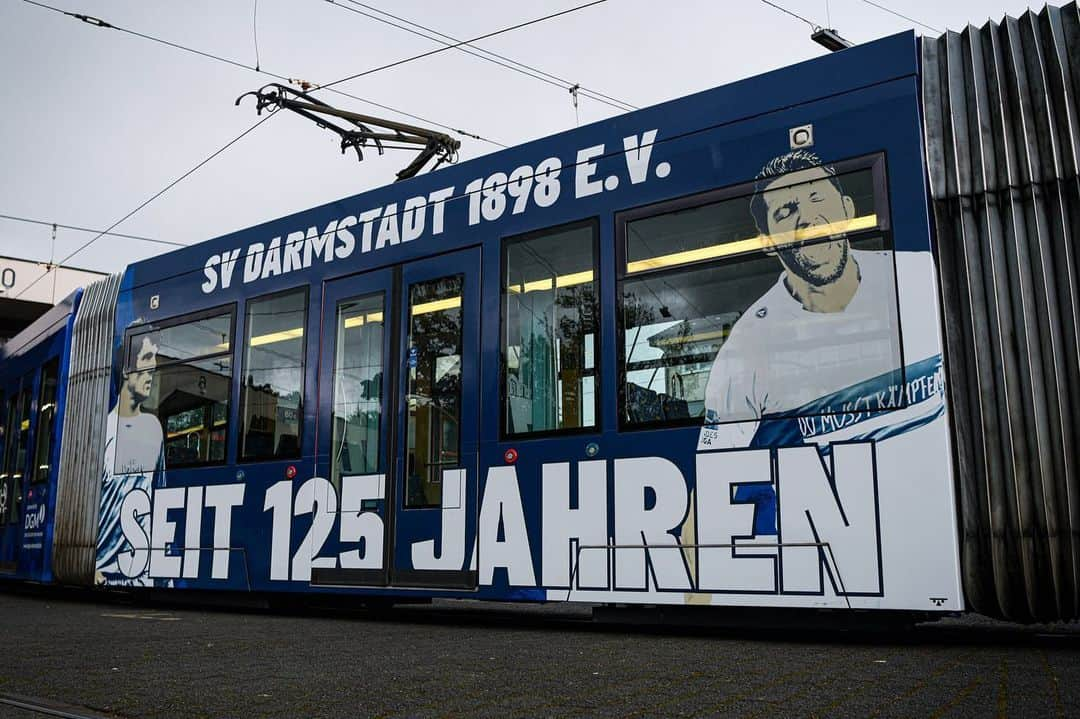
288	446
644	405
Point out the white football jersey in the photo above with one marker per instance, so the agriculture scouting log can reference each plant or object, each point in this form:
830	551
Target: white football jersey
821	373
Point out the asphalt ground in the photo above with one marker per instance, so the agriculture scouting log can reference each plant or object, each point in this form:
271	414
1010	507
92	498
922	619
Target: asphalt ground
93	656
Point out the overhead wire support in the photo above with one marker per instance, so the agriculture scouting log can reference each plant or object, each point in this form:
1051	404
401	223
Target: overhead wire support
495	58
97	22
827	37
61	225
431	145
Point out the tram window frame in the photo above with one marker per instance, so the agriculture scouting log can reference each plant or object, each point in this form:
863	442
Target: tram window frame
19	403
157	326
242	406
875	163
7	407
596	427
384	391
50	425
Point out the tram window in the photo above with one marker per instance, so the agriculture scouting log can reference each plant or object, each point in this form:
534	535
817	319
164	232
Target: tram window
272	393
3	435
174	398
777	299
7	486
358	385
46	423
15	461
434	388
549	313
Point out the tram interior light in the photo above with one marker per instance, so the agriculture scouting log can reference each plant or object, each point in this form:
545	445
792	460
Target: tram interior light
752	244
361	320
281	336
436	305
575	278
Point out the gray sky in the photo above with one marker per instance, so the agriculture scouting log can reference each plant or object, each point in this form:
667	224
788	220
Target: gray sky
95	121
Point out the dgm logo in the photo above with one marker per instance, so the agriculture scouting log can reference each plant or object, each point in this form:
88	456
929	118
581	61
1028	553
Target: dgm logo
35	520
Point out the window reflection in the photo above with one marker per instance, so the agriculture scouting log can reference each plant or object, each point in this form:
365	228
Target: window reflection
273	387
174	398
358	383
46	421
433	392
774	300
549	332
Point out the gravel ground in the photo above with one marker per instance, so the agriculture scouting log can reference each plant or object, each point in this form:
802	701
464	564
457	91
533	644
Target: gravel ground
133	659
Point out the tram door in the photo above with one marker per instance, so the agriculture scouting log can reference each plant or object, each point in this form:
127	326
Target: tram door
398	429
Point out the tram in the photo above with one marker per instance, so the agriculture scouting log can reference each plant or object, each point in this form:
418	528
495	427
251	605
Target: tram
737	349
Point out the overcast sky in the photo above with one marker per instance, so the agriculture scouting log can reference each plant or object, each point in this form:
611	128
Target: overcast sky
94	121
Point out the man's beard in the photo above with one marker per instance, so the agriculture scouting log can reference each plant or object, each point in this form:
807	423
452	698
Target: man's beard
804	269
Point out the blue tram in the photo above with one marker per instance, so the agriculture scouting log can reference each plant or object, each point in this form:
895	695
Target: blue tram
724	350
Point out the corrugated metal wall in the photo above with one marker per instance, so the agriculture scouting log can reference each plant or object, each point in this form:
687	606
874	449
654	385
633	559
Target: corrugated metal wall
83	445
1003	147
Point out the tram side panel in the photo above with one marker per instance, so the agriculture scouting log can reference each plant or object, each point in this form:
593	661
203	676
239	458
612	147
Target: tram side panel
742	446
33	379
822	474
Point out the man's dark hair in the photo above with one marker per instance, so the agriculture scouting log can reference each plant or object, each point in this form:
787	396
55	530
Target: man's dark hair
150	334
778	166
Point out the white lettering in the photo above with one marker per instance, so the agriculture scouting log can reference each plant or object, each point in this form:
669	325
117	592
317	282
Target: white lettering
638	154
292	253
584	170
587	525
211	274
253	262
365	528
650	503
726	568
841	516
388	228
164	562
193	532
133	511
437	200
345	237
272	261
366	219
228	264
501	508
451	551
223	498
412	219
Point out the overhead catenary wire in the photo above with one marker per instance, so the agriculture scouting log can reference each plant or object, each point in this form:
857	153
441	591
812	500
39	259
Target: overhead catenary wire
153	197
901	15
17	218
481	53
495	54
470	41
97	22
463	194
795	15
